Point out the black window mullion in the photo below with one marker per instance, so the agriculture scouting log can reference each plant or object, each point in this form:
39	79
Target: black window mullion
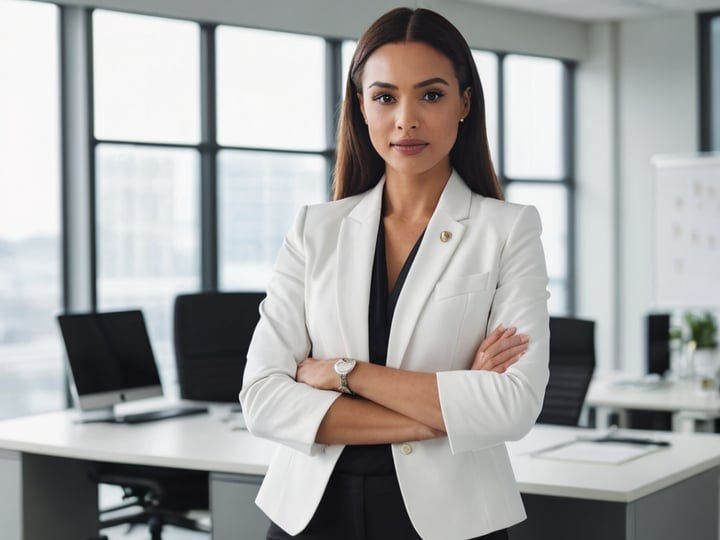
208	161
500	165
568	111
333	101
705	76
77	147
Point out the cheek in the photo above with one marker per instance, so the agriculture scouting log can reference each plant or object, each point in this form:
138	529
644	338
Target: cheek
445	131
378	127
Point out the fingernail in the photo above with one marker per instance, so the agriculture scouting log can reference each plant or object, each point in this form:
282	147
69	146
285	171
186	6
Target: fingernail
500	328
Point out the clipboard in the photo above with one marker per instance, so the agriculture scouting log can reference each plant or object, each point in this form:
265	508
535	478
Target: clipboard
588	451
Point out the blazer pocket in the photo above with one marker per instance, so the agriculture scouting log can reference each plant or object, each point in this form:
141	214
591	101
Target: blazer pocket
461	285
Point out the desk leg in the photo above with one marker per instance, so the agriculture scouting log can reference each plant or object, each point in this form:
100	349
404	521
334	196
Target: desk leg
687	422
682	423
232	505
46	497
603	416
10	494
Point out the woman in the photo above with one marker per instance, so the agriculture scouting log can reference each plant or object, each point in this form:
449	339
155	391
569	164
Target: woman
368	365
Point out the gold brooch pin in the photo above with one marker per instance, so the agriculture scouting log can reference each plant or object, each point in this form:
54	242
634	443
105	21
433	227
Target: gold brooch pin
445	236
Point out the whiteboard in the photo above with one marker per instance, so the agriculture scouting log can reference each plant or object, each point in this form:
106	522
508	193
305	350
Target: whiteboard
686	217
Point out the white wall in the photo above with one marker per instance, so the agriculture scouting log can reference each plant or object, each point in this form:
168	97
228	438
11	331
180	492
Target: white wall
596	189
636	97
657	113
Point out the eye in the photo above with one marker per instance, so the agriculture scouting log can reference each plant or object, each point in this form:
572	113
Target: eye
383	99
432	95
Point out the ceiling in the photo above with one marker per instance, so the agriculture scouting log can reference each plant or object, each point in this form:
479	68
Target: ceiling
603	10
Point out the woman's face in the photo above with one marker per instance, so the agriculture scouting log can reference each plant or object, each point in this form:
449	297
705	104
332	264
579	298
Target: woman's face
412	104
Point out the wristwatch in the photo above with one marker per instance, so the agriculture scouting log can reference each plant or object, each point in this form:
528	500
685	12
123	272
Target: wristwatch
343	367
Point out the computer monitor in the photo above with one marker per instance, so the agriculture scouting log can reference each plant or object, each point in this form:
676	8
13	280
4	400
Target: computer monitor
110	358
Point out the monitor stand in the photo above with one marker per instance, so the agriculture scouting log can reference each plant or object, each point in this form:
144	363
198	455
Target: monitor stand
105	414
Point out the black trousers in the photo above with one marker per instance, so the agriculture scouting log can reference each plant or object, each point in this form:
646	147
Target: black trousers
361	508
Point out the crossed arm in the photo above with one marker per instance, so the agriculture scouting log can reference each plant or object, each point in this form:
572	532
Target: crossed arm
396	405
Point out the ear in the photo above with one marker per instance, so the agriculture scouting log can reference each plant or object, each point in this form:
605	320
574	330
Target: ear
362	105
466	98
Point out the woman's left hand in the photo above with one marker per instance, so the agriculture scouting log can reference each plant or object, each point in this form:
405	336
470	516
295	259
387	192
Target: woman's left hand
318	373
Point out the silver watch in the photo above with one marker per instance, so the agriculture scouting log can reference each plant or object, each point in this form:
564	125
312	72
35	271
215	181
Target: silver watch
343	367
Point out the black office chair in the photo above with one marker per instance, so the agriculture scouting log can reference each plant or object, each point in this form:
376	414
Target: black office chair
212	336
212	333
572	362
154	496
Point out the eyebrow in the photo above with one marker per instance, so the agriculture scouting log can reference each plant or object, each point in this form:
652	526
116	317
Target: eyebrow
421	84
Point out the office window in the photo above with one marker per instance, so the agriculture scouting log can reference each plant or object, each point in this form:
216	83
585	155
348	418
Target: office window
534	165
715	80
146	82
551	202
31	367
271	97
487	66
146	78
533	118
347	50
148	235
270	89
709	75
259	196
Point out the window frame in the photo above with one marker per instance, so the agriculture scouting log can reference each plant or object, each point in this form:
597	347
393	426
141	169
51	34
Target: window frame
707	105
80	239
568	179
208	148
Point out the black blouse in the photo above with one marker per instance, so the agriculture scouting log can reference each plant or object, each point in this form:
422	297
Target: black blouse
376	459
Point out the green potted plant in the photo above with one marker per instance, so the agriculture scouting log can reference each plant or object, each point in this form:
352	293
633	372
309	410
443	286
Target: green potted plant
702	347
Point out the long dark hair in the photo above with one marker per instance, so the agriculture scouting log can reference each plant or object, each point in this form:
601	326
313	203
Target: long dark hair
358	166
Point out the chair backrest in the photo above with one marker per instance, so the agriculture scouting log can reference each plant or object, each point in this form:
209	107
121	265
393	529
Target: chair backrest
572	362
212	333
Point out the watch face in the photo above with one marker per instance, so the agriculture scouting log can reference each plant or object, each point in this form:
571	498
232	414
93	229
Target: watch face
343	366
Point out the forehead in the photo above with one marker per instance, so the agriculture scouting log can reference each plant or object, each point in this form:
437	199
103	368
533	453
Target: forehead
406	64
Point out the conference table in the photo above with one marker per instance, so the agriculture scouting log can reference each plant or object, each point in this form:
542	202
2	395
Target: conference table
669	493
617	392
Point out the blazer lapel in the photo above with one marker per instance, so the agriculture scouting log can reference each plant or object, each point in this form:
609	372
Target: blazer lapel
355	255
436	250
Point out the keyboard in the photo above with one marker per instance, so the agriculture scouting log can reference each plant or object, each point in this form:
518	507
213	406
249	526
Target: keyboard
151	416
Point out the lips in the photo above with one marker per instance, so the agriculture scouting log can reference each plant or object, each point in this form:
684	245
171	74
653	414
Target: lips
409	147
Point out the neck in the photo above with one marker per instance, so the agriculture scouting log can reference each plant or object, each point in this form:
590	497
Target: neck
413	198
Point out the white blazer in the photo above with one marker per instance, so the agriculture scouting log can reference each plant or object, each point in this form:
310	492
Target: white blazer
491	271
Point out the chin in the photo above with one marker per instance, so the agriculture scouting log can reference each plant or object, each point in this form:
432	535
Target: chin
412	166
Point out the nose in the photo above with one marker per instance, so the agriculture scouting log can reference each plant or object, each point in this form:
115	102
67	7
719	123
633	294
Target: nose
407	117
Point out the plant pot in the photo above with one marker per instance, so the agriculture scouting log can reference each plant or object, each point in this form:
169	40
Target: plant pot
706	365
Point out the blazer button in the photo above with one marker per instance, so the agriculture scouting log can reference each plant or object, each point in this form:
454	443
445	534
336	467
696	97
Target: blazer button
406	449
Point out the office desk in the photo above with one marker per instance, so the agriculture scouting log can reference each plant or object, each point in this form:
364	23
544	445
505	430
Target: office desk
44	460
688	406
669	494
47	458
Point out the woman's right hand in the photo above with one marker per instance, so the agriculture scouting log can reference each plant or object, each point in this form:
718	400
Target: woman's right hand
500	349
